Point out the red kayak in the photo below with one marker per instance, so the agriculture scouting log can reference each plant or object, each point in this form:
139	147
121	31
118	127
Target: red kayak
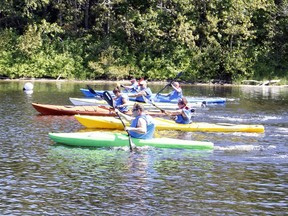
47	109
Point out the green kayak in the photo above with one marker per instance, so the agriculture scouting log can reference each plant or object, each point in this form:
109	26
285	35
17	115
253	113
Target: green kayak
110	139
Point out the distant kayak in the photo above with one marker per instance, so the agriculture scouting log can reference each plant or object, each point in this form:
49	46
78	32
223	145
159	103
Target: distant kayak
160	98
163	99
100	101
110	139
97	102
164	124
215	100
48	109
87	92
94	102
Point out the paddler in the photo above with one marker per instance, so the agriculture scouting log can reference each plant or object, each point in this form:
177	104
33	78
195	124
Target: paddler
121	100
133	87
142	125
144	91
176	93
183	114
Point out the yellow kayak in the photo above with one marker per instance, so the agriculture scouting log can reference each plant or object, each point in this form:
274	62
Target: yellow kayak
100	122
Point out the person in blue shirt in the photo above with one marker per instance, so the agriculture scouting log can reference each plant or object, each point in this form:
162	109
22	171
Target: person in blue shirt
142	125
121	100
133	87
183	114
176	93
144	91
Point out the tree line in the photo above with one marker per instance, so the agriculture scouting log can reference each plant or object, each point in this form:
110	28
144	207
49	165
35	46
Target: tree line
227	40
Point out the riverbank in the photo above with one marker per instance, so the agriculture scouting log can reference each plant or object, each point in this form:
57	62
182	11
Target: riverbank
267	83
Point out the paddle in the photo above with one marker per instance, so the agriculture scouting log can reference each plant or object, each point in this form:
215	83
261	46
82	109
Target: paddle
178	75
108	98
91	90
162	110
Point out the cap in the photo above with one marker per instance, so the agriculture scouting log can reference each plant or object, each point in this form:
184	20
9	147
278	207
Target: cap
133	80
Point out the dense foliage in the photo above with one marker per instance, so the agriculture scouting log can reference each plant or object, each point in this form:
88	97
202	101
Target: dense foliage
114	39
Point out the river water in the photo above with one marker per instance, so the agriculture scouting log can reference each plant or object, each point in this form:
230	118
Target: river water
246	173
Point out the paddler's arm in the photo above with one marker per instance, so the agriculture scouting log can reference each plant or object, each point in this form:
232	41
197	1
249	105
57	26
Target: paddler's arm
141	93
172	114
128	118
176	89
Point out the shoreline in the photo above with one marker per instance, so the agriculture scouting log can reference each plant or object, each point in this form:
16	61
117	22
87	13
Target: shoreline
128	81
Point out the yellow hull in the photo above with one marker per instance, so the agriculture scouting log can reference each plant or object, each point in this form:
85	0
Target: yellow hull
99	122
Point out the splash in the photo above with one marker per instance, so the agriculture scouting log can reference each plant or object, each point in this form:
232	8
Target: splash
247	148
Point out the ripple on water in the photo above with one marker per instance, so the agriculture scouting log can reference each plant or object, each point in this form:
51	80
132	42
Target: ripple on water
246	173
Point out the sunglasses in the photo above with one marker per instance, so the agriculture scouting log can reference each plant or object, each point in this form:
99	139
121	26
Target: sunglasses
134	110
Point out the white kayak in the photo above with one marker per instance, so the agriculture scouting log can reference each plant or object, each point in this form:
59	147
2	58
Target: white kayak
98	102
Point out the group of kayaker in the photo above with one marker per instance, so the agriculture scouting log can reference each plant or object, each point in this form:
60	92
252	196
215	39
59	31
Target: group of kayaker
143	91
133	87
142	125
140	89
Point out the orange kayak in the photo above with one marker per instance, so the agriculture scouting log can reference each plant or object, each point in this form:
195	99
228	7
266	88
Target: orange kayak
47	109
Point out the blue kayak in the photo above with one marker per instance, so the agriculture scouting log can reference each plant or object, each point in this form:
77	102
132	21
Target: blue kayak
87	93
216	100
162	99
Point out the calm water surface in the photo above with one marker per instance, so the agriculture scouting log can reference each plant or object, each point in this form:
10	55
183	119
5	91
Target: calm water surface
246	174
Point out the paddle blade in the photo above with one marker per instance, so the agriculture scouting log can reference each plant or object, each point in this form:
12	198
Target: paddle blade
108	98
91	90
178	75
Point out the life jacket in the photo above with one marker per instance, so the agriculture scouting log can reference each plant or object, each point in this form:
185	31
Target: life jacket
135	88
150	127
175	95
180	119
119	101
148	95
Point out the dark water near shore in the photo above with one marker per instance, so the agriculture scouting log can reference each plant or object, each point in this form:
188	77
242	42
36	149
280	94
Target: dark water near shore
246	174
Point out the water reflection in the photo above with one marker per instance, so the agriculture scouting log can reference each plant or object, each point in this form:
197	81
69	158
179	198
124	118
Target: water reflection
265	92
28	92
131	180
